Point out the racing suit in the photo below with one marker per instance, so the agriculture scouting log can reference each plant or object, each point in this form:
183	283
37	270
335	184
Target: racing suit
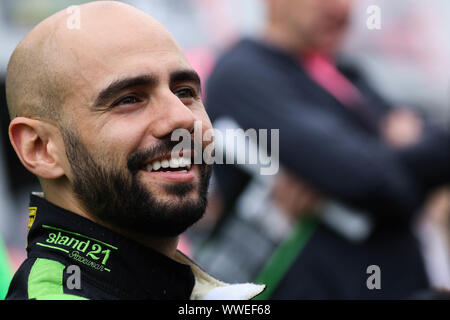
70	257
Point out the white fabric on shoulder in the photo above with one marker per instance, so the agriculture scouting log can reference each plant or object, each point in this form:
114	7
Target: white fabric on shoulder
239	291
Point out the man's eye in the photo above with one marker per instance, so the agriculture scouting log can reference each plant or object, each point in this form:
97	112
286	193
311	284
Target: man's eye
185	93
126	100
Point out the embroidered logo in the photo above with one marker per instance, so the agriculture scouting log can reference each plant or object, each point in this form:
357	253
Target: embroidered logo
89	251
31	216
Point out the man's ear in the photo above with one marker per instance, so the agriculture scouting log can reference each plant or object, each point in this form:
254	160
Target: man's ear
35	143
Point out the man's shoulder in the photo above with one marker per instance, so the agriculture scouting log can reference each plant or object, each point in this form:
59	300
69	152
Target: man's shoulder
208	288
40	279
249	67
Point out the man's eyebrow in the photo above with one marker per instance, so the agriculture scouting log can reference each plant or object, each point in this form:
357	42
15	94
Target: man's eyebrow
185	75
150	80
121	84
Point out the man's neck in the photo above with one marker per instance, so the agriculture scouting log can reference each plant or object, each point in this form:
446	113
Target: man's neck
291	43
278	37
164	245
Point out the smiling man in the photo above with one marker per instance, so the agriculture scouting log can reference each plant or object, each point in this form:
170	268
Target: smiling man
93	109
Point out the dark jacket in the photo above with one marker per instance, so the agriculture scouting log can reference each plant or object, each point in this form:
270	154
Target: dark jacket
339	153
335	150
63	245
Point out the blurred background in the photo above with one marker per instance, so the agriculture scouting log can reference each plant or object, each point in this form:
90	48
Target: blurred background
406	61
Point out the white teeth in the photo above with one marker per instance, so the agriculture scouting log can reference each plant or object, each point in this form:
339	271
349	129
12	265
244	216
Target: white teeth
174	163
165	163
185	162
188	163
156	165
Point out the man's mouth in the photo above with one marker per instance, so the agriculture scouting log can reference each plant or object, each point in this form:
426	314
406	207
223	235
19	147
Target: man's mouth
172	168
180	164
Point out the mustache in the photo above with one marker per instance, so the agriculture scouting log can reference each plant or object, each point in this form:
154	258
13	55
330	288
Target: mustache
137	159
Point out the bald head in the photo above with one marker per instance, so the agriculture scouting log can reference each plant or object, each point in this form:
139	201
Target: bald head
32	87
51	62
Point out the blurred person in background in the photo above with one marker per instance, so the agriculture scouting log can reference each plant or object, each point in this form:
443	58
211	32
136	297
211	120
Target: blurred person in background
342	142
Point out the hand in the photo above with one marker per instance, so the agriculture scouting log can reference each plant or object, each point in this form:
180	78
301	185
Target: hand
293	196
402	128
437	208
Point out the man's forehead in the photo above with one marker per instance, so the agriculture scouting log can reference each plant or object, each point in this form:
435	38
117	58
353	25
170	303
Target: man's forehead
118	31
97	74
106	30
70	63
120	42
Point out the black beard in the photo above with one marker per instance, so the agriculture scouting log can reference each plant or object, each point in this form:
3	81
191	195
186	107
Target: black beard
119	200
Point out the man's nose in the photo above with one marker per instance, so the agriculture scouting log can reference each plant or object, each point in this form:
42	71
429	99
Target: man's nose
171	114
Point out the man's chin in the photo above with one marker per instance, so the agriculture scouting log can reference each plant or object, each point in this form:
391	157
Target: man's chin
176	214
168	190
